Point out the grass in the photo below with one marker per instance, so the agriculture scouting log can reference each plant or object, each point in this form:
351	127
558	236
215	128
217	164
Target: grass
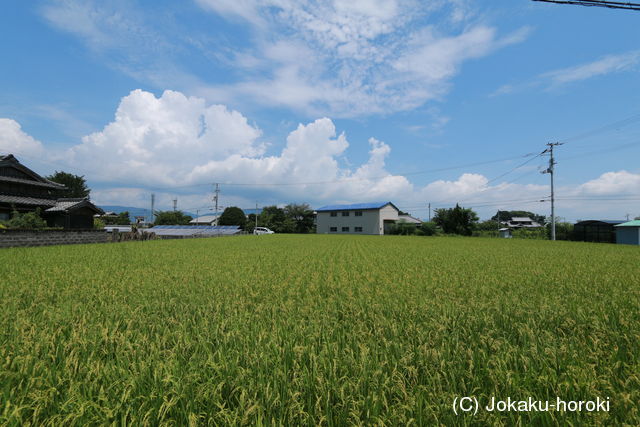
306	330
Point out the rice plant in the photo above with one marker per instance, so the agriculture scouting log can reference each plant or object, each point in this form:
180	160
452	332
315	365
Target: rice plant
317	330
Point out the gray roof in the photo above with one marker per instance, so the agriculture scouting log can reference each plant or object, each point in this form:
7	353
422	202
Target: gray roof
409	219
29	201
204	219
66	205
521	218
46	183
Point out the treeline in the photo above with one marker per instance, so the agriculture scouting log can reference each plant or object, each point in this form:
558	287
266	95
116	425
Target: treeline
465	222
293	218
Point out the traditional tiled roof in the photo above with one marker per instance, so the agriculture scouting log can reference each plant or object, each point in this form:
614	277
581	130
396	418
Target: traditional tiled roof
67	205
356	206
10	161
29	201
46	183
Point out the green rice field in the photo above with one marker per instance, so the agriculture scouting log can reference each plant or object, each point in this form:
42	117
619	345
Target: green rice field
318	330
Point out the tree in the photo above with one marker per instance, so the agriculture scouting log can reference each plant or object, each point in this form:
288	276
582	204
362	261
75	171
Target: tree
457	220
251	223
564	230
429	228
121	219
233	216
489	225
507	215
76	185
272	217
172	218
302	215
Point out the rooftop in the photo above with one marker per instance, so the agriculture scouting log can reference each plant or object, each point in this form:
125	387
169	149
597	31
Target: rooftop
204	218
634	223
28	201
10	161
355	206
521	218
606	221
65	205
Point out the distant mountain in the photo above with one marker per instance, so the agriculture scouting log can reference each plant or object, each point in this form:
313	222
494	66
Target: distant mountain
133	212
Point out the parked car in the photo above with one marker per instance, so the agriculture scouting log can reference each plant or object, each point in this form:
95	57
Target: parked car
262	230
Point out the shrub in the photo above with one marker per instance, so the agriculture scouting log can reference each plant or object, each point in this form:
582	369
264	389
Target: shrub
428	228
29	220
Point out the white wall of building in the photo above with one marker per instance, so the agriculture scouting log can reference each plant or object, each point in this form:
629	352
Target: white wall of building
371	221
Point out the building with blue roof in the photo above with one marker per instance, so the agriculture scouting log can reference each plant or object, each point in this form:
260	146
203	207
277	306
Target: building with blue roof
358	218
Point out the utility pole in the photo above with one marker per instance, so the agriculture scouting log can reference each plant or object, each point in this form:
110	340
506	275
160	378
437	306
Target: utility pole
429	212
215	197
550	170
153	202
256	214
175	204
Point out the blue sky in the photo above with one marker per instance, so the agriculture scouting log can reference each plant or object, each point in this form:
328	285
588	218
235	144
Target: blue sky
328	102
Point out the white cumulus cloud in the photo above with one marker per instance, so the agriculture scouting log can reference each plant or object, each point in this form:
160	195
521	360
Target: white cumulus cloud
13	140
179	141
612	183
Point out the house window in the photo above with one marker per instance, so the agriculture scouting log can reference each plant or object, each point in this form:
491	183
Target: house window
333	229
334	213
345	229
358	213
345	213
358	229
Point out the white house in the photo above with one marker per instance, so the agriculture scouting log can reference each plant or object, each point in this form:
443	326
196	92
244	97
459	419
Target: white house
205	220
522	222
359	218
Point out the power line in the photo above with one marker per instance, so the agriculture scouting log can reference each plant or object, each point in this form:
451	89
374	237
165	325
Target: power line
514	169
498	177
604	198
608	4
481	203
530	156
348	179
606	150
603	129
288	184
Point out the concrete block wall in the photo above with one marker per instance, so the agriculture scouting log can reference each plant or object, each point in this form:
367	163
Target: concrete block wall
17	238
